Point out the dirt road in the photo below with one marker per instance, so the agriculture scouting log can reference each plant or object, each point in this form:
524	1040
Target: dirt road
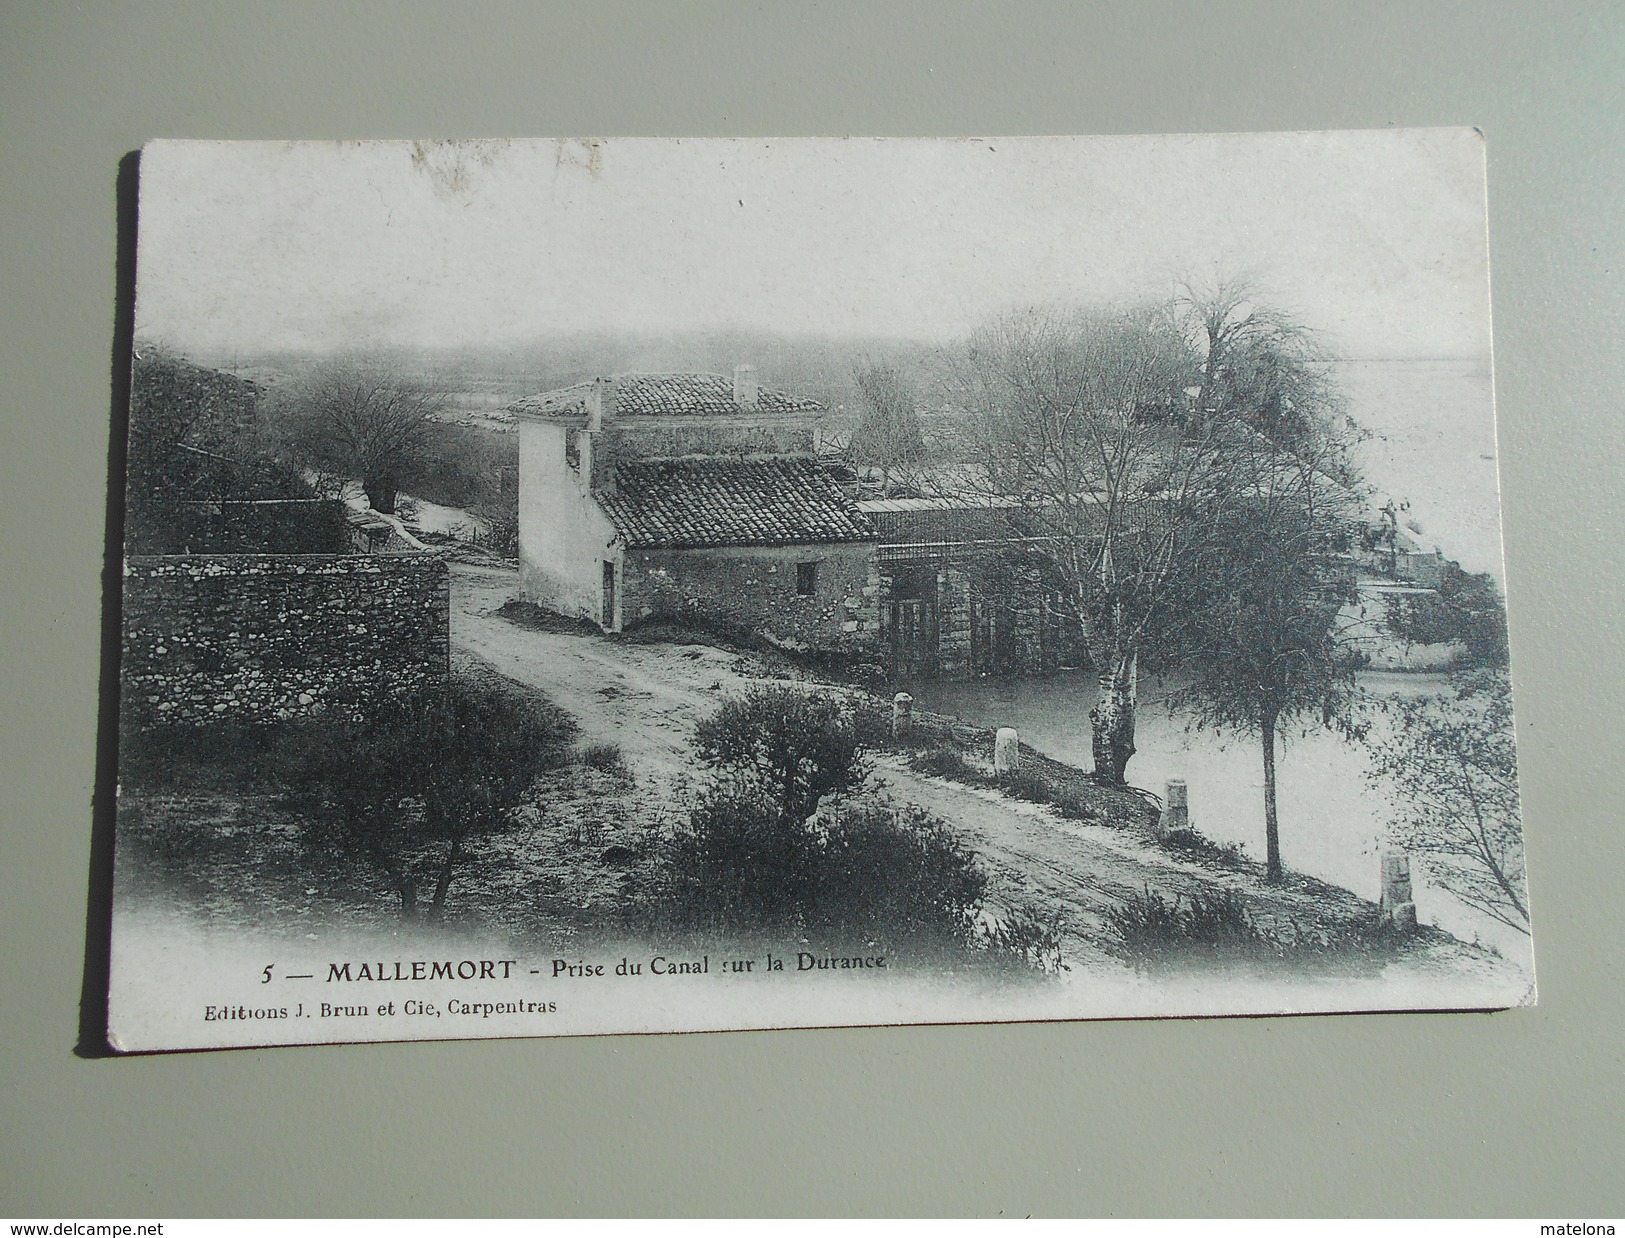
647	698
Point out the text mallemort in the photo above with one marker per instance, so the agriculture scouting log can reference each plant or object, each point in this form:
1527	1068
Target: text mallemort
421	969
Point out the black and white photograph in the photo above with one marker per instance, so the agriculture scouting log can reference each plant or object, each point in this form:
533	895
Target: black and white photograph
653	585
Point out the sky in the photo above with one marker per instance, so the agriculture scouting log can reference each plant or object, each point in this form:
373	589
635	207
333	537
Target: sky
1375	238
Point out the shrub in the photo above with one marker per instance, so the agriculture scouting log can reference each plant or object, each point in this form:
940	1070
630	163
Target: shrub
895	872
946	761
861	870
502	529
1152	933
170	755
791	747
604	757
1192	844
1026	783
736	864
873	726
1466	608
405	786
1022	937
1150	929
1073	804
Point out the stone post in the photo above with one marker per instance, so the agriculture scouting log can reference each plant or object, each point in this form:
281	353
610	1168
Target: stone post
1006	751
902	715
1397	904
1176	809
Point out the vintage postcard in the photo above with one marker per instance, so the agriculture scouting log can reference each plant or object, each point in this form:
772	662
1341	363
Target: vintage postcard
649	585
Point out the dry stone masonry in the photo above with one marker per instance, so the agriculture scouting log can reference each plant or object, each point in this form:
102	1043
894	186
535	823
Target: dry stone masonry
257	638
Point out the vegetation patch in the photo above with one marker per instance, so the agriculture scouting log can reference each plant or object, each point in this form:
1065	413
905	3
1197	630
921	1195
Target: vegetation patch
947	761
540	619
397	797
1191	845
1153	933
605	757
1073	794
785	840
834	666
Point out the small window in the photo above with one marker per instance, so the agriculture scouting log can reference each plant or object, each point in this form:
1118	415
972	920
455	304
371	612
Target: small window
572	449
806	579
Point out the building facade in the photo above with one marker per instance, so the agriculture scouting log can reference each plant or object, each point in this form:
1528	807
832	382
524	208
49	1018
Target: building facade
699	498
691	497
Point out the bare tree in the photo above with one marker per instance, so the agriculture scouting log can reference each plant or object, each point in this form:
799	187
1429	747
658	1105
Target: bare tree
362	419
1260	366
1148	448
1075	416
1450	771
888	434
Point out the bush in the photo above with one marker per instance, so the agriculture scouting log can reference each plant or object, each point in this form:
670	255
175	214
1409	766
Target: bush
862	871
1026	783
502	529
1024	938
1073	804
1150	929
872	725
900	873
168	755
604	757
946	761
1153	933
736	865
1193	845
790	747
1466	608
404	787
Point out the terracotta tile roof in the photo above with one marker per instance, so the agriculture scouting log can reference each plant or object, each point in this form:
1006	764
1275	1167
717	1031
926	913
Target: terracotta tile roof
564	402
664	395
695	395
721	502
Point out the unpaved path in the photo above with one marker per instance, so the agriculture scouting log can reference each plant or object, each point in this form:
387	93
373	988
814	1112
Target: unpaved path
647	698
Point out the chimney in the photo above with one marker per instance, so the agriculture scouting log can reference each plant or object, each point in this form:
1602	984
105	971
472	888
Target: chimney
745	387
601	417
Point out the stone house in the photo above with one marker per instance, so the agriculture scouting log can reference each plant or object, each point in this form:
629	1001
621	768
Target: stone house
666	496
671	496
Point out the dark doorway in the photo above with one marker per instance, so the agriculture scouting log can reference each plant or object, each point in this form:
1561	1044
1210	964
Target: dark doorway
912	622
609	595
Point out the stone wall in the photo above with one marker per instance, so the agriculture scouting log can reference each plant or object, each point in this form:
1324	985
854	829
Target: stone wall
255	638
756	588
959	619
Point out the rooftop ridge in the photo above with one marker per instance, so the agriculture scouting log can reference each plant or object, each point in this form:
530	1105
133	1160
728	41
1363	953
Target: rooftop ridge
666	393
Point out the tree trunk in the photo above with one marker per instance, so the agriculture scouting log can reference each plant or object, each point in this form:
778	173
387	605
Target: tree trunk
1113	720
454	854
1272	826
380	493
399	875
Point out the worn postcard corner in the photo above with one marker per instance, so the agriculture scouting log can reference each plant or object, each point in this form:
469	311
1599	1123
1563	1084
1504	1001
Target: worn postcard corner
644	586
